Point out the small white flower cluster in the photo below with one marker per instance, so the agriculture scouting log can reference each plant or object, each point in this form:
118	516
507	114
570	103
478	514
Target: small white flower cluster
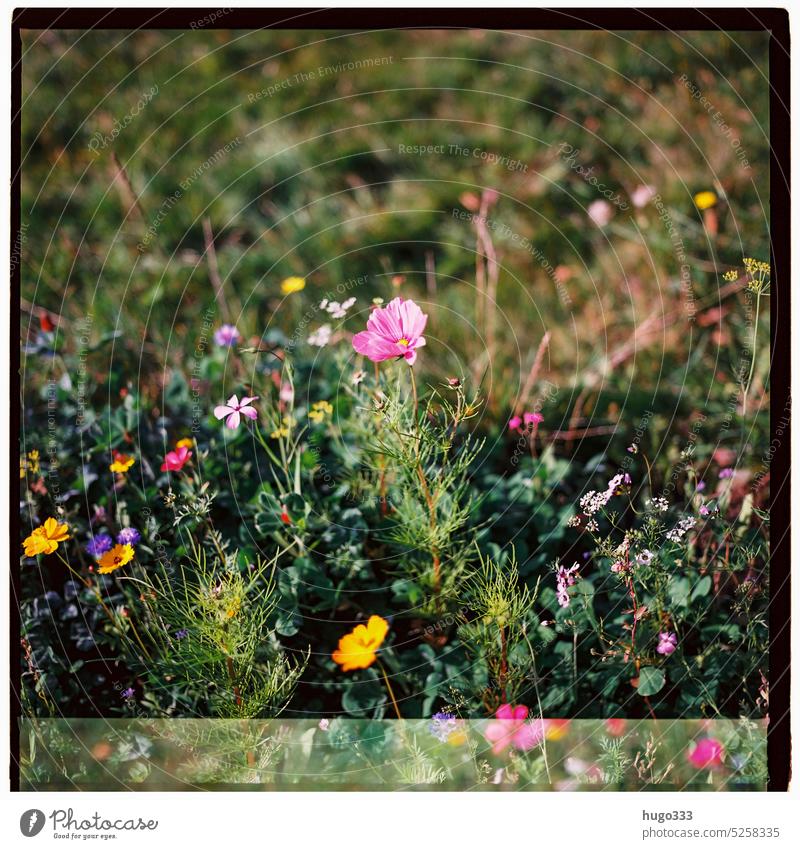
321	336
336	309
593	501
680	530
661	504
573	521
592	526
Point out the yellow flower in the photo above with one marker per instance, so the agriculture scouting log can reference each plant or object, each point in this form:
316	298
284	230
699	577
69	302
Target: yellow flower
118	556
184	443
23	466
33	461
357	649
293	284
319	410
705	200
122	462
284	429
730	276
45	538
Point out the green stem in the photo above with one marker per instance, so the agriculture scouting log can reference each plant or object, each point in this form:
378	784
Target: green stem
752	356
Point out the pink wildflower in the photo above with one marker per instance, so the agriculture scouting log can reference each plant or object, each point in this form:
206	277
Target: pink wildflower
234	409
667	643
175	460
512	728
565	578
532	418
227	335
600	212
615	727
514	423
393	331
706	753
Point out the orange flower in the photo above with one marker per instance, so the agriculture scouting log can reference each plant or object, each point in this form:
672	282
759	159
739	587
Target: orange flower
184	443
118	556
122	462
555	729
45	538
357	649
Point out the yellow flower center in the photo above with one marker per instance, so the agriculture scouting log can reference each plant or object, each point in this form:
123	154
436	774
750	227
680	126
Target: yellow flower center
404	342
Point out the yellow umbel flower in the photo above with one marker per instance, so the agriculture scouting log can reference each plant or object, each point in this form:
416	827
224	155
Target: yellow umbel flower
118	556
357	649
705	200
45	538
293	284
122	462
319	410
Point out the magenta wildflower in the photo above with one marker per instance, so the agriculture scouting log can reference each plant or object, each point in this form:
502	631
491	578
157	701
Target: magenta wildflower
667	643
706	753
565	578
227	335
725	473
234	409
393	331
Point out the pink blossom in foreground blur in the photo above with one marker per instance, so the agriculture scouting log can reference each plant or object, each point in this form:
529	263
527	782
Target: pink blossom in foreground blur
234	409
706	753
512	728
175	460
392	331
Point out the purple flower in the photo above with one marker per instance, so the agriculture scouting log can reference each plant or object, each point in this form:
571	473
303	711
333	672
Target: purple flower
725	473
442	725
227	335
99	545
129	693
667	643
184	632
128	536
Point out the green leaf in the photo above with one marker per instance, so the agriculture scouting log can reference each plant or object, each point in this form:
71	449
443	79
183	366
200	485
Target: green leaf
651	680
702	587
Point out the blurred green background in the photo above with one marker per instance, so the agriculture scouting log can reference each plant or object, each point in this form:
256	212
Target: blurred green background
288	144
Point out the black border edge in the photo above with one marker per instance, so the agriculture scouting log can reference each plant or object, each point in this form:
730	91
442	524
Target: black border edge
779	731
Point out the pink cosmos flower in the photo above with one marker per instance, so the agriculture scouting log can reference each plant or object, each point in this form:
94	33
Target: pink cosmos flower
393	331
511	728
234	409
175	460
706	753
